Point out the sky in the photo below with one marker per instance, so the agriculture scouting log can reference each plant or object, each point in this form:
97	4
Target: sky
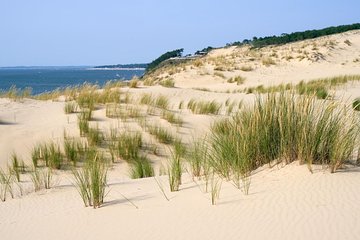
88	32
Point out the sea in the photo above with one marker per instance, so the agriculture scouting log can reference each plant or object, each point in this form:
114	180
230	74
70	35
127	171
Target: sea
46	79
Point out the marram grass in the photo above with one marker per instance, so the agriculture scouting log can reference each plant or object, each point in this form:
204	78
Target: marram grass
91	181
283	127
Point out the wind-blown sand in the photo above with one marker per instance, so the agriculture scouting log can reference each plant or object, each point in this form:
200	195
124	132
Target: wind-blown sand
285	202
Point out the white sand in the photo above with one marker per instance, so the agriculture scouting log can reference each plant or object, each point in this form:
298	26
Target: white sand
285	202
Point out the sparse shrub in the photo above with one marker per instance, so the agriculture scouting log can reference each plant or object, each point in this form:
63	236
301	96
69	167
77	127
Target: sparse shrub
169	83
219	74
246	68
347	42
134	83
198	63
268	61
238	79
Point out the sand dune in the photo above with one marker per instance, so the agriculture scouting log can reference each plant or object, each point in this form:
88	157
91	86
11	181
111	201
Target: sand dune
285	201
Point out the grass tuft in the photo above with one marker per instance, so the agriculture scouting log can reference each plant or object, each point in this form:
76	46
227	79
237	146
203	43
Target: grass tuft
204	107
161	134
91	182
356	104
141	168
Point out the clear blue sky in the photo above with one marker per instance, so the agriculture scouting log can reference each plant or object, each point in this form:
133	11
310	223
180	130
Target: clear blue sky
87	32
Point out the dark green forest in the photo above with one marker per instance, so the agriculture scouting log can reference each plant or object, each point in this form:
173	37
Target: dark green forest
295	36
162	58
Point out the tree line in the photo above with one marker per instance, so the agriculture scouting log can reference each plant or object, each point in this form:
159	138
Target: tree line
295	36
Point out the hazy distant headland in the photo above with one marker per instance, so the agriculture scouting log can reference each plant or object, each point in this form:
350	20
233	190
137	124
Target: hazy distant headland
134	66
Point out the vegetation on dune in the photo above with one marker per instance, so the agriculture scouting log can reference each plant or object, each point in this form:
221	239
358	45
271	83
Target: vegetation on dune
6	180
319	87
356	104
169	83
296	36
141	167
283	127
16	93
91	181
128	145
162	135
204	107
163	57
70	107
172	118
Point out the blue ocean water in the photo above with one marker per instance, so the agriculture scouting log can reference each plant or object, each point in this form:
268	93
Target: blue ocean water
43	79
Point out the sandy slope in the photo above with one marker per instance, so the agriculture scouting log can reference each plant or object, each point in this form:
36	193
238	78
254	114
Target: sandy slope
285	202
305	60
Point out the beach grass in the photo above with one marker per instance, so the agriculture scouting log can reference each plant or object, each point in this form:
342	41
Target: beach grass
70	150
141	167
283	127
91	181
6	180
197	157
204	107
356	104
134	83
94	136
238	80
215	190
169	83
174	172
172	118
128	145
147	99
83	124
15	166
70	107
55	156
162	135
162	102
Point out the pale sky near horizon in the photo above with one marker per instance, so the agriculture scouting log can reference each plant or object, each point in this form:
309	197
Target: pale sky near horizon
79	32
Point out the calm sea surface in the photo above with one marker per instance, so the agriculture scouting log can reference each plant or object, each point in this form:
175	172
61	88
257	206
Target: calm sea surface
43	79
